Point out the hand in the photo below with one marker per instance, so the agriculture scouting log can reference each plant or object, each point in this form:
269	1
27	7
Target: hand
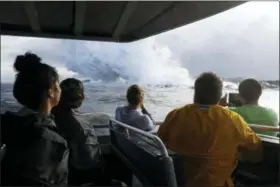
223	100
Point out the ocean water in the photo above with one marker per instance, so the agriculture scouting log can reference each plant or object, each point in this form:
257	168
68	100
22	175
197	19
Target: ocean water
109	68
159	99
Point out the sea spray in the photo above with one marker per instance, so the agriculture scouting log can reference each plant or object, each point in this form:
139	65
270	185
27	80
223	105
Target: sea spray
143	62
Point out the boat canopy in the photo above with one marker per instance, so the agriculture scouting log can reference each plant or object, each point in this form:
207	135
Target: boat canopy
117	21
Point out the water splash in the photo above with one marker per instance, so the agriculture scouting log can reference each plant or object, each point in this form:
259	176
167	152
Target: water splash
144	62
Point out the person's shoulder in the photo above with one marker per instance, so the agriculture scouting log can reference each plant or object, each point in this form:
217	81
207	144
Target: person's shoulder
237	111
221	108
177	110
268	109
228	112
184	108
119	108
233	117
266	112
271	113
52	135
118	112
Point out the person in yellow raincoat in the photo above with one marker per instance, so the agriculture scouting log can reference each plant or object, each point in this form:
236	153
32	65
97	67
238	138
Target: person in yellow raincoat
209	136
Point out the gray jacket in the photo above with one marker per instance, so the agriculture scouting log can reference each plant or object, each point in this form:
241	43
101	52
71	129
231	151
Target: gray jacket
36	154
136	118
85	152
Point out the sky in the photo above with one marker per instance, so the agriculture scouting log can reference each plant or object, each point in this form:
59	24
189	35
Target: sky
241	42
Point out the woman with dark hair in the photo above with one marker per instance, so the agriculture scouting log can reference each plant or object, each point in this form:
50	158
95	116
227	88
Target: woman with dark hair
35	154
85	154
87	163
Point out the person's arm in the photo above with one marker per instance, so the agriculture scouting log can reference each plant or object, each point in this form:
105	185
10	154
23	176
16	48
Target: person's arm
249	143
145	123
145	111
164	129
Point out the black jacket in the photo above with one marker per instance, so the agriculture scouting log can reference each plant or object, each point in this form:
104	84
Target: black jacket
35	153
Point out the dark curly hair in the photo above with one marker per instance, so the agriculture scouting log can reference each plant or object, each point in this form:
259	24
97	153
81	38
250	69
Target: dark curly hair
33	80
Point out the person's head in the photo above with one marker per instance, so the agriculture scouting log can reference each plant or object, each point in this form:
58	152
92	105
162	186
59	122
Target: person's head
208	89
250	91
72	93
134	95
37	84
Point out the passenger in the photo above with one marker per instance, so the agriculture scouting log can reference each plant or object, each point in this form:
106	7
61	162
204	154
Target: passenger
131	114
87	164
208	136
85	153
250	91
35	154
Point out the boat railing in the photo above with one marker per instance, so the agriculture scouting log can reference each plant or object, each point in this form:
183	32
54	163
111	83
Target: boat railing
265	127
149	135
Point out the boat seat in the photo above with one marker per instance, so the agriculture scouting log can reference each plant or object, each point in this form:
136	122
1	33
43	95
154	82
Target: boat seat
151	146
145	160
267	171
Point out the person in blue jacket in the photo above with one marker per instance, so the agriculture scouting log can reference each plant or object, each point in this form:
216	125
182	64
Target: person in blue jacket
134	113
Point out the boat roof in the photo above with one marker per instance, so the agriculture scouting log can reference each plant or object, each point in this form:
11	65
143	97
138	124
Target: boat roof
117	21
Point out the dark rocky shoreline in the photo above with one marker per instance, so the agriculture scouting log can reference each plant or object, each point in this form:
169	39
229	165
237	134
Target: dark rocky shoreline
267	84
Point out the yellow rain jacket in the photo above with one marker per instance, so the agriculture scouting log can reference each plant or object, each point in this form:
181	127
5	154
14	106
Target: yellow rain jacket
208	137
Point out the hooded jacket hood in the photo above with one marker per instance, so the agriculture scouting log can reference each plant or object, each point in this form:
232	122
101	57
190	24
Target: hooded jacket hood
18	124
